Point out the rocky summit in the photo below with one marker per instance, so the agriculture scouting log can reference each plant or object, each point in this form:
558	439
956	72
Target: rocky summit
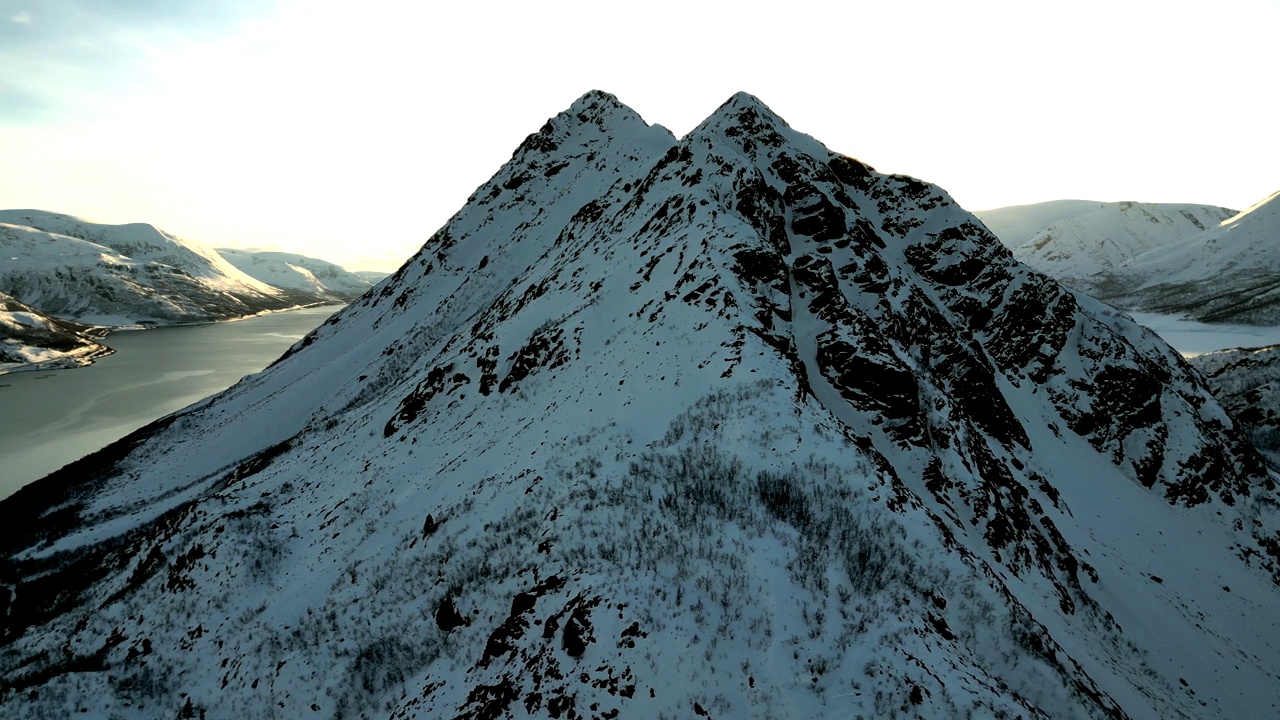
725	426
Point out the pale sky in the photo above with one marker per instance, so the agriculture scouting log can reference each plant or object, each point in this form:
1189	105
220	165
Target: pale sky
350	131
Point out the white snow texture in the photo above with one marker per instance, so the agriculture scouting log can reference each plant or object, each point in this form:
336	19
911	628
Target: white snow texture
723	426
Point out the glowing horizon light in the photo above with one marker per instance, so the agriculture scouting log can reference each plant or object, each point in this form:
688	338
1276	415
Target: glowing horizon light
308	128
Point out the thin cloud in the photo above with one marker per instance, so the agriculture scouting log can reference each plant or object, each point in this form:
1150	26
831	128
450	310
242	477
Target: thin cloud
73	51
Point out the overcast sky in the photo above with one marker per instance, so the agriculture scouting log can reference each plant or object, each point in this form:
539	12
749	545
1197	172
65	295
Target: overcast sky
352	130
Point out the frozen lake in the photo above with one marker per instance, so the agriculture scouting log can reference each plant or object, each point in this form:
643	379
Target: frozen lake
1196	338
48	419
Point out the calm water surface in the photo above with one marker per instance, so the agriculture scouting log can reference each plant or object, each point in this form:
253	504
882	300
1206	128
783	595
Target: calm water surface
48	419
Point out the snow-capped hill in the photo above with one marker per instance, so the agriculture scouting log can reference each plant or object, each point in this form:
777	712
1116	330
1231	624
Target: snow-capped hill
124	274
1017	224
1111	234
723	426
31	340
298	272
142	242
1230	272
1247	381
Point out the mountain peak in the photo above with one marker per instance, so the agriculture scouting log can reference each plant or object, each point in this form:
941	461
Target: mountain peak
748	111
643	411
595	116
594	98
600	108
745	100
747	121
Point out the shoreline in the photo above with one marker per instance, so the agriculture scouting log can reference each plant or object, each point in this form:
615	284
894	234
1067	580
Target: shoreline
99	333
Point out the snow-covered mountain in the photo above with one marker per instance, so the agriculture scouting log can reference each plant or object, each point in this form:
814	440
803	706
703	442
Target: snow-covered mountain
298	272
1227	273
1075	249
1016	224
124	274
1247	382
727	426
29	339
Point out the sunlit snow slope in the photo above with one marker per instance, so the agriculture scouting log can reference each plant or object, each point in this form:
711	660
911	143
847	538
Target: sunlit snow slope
1111	234
1228	273
1016	224
124	274
727	426
298	272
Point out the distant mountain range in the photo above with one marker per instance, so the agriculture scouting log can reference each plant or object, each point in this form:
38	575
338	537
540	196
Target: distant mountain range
1201	261
119	275
1017	224
1107	235
1227	273
299	273
95	274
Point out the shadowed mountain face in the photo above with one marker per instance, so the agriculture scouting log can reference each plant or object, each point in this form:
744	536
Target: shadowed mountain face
723	426
1247	382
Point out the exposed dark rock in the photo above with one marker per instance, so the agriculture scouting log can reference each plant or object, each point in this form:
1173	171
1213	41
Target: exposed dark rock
447	616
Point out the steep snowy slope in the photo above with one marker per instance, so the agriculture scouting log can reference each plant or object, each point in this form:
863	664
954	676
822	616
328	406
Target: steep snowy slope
1016	224
124	274
1228	273
1247	382
730	426
298	272
1074	249
30	339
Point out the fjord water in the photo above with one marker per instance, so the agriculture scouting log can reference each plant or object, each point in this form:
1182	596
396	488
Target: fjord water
48	419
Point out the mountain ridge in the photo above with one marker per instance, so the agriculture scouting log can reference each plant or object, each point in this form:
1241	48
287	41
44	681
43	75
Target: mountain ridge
1228	273
291	271
1016	224
1103	239
83	271
731	425
77	274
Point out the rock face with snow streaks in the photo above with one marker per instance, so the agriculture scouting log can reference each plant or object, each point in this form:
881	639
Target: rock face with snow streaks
723	426
1247	382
